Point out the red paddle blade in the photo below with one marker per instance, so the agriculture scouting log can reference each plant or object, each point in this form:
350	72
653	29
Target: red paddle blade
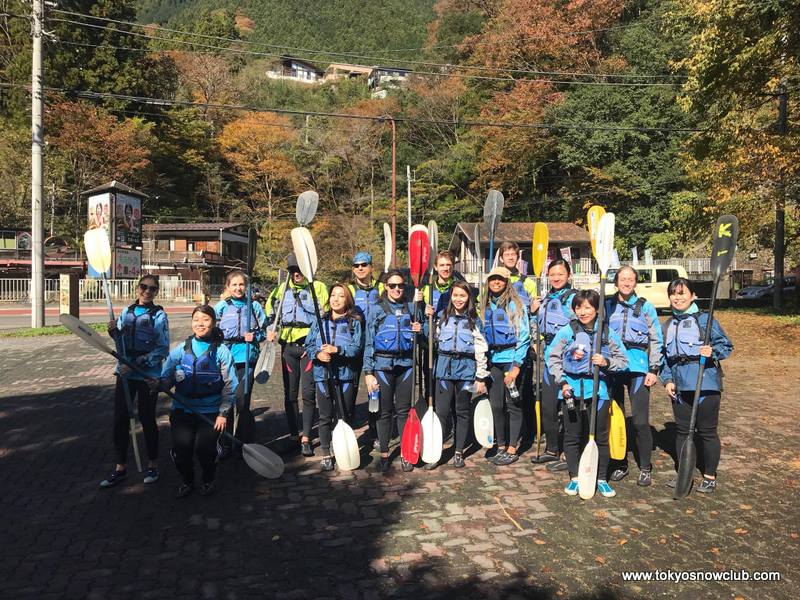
411	441
418	253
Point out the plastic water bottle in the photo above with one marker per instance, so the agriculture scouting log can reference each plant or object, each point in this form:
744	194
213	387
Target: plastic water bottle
513	392
180	375
471	388
374	400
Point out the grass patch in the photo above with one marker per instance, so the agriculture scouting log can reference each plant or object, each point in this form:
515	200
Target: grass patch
50	330
790	315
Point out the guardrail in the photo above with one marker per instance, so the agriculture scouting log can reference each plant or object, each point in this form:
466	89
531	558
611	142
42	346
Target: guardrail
587	266
91	290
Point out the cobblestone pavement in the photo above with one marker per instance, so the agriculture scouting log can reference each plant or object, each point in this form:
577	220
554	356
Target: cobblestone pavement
476	532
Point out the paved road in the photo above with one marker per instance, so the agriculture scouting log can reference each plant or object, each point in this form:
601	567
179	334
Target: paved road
17	316
472	533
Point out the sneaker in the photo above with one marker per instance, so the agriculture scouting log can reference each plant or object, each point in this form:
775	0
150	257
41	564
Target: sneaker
606	490
223	452
114	478
544	458
306	449
151	475
430	466
644	478
619	474
672	482
383	467
571	488
208	488
407	466
458	461
376	445
707	486
326	463
559	465
184	490
501	460
491	453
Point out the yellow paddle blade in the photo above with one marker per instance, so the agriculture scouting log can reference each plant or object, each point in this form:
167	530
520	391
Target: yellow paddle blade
98	249
541	239
617	436
593	222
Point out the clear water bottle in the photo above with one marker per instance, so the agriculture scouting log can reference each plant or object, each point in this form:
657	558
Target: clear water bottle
471	388
374	400
513	392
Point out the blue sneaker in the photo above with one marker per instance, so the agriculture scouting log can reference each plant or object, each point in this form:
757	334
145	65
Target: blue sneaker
606	490
114	478
572	488
151	475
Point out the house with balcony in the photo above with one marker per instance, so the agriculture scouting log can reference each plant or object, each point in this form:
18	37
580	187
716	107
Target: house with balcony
294	69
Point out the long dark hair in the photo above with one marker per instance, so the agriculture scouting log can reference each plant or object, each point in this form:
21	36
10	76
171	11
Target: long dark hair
216	334
470	310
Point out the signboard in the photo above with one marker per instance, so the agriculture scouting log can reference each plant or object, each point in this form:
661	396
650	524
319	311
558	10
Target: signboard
127	221
100	212
566	254
127	263
24	240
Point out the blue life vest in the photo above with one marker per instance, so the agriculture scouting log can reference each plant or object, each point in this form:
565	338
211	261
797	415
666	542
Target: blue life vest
394	336
683	339
338	332
519	287
498	329
365	298
203	375
552	318
456	337
139	333
584	340
297	309
629	322
231	322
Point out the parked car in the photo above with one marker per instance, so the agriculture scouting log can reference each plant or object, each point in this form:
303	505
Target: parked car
766	289
653	282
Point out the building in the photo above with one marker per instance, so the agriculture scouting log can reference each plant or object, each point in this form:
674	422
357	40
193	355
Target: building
294	69
337	71
202	252
382	79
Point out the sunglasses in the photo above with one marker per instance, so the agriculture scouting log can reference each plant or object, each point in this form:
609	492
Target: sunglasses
148	288
394	286
360	265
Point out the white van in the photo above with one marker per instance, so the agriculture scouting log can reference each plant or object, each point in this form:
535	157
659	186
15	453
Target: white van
652	283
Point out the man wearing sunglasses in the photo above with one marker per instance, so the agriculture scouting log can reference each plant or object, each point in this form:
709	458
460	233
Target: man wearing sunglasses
297	314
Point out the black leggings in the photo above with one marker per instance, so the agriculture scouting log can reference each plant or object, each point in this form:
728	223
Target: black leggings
191	437
451	393
706	436
507	413
639	395
397	388
146	407
554	440
245	428
329	412
576	434
297	379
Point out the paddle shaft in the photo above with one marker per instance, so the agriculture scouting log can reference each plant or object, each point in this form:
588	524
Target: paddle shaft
430	346
598	348
537	373
703	359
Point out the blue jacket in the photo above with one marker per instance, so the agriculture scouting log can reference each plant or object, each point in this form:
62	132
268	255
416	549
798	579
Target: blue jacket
456	366
558	355
213	403
516	355
379	362
347	335
645	328
151	361
237	346
680	365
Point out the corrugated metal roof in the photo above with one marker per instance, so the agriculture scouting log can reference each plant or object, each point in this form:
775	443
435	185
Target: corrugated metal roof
522	233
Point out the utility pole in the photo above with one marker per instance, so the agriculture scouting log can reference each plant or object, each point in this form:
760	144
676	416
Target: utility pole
780	203
37	170
408	180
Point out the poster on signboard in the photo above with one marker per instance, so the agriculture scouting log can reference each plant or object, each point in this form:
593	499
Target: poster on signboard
566	254
24	240
127	263
100	212
128	221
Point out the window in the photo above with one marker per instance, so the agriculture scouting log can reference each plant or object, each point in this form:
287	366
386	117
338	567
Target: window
666	275
190	246
172	243
645	276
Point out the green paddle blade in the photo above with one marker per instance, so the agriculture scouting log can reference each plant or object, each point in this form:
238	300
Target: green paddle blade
307	203
98	249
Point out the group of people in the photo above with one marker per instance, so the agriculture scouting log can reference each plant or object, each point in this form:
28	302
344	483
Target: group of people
483	344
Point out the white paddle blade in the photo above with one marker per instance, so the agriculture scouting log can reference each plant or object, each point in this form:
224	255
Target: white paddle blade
83	331
345	447
587	470
305	251
98	249
265	364
263	460
433	241
605	241
431	438
387	247
483	423
307	203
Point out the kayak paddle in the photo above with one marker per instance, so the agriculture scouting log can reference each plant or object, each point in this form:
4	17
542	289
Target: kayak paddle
541	239
431	426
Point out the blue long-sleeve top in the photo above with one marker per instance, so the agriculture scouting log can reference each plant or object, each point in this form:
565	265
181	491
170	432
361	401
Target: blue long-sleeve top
518	354
684	375
374	320
150	362
257	321
641	360
213	403
342	362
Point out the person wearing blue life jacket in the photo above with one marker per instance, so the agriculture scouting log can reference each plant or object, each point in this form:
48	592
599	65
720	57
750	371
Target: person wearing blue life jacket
391	328
335	359
366	291
635	320
461	365
204	375
142	333
571	358
683	349
297	315
553	312
504	320
231	319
